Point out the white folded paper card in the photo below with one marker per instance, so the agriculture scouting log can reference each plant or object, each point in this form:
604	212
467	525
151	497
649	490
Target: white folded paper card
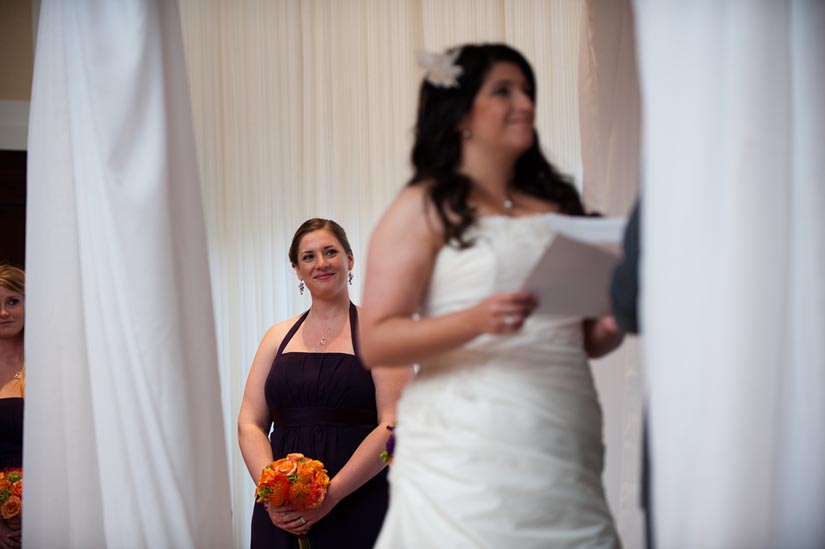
573	276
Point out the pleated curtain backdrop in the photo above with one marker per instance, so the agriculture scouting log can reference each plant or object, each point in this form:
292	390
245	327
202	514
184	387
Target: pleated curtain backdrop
306	108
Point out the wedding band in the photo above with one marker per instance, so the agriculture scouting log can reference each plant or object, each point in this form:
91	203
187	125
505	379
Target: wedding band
303	520
509	321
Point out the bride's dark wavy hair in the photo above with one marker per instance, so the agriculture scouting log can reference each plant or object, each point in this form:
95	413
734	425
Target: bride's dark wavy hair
436	154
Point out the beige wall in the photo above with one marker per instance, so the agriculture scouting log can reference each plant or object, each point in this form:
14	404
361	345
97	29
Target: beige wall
16	50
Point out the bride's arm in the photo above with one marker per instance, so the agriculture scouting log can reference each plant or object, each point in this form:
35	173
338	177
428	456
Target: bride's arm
400	262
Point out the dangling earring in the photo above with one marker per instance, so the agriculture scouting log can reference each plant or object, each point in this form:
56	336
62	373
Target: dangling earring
465	134
301	287
349	278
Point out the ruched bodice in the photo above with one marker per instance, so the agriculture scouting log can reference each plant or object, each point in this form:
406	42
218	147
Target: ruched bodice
504	253
499	442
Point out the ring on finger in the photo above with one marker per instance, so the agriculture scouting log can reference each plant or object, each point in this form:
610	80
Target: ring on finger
509	321
303	520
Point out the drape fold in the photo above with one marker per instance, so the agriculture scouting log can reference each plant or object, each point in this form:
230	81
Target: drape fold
733	292
124	432
609	113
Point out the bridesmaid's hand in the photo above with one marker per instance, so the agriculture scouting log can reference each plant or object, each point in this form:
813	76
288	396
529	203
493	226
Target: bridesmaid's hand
10	530
503	313
314	515
299	522
288	519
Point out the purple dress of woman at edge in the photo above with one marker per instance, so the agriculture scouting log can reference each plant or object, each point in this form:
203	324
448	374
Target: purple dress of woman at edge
11	457
11	433
323	406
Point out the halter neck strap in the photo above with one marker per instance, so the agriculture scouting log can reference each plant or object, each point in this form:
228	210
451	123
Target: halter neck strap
353	326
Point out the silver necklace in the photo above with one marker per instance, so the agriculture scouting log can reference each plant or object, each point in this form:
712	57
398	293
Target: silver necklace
326	334
323	340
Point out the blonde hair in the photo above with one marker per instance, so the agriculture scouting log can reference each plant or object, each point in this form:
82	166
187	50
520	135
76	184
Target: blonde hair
14	279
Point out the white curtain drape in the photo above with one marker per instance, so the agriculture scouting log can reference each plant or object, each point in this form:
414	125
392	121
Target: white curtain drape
609	106
123	428
733	278
305	108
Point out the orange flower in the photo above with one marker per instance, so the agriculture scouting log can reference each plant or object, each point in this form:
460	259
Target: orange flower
274	490
10	508
17	488
284	467
267	475
295	481
298	491
5	484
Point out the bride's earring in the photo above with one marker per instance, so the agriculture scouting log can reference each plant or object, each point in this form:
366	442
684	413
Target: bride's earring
301	287
349	278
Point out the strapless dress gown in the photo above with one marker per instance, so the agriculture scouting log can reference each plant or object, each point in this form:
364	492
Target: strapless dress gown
499	442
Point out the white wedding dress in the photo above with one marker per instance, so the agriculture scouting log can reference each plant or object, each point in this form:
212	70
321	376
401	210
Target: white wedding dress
499	442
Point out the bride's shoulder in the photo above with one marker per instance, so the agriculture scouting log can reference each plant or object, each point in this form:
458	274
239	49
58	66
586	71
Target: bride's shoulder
413	215
417	198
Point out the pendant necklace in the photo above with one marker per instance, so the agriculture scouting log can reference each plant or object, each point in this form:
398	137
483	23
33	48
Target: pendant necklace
508	199
326	336
323	340
18	374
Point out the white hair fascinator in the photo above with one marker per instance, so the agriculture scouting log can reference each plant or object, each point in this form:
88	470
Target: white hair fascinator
440	68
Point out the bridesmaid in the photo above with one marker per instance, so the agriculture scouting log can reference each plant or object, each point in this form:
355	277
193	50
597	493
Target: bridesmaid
12	375
308	380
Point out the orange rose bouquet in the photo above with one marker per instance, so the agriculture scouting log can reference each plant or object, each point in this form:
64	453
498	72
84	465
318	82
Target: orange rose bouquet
11	493
295	481
11	501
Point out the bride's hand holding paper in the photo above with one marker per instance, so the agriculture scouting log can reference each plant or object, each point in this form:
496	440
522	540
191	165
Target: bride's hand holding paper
573	276
503	313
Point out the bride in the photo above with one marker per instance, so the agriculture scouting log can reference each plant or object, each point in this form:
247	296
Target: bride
499	436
